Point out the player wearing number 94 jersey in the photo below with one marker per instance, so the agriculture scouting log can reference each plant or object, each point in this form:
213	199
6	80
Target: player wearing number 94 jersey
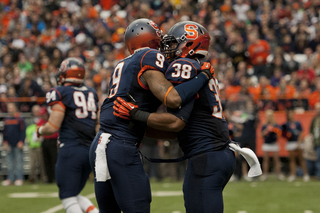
74	115
121	183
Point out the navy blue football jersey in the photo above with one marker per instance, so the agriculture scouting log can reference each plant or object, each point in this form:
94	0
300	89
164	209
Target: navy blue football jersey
272	135
81	107
126	79
294	129
206	128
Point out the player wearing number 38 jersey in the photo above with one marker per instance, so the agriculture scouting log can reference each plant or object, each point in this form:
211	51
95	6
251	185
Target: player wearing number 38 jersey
74	115
121	183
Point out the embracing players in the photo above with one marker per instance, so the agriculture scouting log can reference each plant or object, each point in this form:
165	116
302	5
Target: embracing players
205	135
121	183
74	114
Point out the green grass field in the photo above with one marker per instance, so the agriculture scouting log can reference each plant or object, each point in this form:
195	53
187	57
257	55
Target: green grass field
271	196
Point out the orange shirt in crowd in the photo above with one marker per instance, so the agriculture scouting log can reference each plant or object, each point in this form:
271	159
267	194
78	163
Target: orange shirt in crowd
289	92
232	90
256	92
314	98
106	5
259	52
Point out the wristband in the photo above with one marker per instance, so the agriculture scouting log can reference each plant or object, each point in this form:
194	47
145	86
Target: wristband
139	115
40	130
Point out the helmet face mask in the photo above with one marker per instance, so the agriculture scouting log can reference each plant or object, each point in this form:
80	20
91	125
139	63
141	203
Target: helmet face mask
142	33
186	40
71	70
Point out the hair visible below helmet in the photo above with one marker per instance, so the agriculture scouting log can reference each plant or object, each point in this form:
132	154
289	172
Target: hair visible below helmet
186	39
71	71
142	33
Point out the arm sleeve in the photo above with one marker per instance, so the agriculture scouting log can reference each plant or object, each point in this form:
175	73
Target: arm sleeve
188	90
184	112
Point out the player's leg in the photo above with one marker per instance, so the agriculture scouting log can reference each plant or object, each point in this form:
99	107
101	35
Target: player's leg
66	179
83	157
206	177
129	181
103	190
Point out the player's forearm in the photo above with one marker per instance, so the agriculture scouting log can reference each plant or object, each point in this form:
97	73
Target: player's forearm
48	129
165	122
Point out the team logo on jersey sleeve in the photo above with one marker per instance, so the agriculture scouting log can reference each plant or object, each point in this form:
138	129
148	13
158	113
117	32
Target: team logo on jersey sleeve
156	27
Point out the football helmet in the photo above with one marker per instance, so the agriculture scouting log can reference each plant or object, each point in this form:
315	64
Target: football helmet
71	70
142	33
186	39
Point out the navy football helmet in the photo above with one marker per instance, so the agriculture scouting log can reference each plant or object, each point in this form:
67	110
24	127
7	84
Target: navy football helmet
142	33
186	39
71	70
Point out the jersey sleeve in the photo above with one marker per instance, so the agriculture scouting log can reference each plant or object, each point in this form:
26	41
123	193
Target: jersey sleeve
184	112
54	96
182	70
154	60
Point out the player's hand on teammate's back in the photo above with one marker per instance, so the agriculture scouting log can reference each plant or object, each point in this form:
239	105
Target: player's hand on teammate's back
124	109
207	69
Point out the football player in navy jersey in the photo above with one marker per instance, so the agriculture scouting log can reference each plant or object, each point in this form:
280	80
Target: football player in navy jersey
121	183
74	114
205	135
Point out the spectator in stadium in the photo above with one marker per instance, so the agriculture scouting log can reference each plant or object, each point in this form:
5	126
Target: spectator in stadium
315	133
270	132
259	50
13	141
306	72
49	147
291	65
292	131
315	95
35	152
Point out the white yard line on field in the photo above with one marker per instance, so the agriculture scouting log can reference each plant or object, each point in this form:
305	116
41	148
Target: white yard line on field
154	194
60	207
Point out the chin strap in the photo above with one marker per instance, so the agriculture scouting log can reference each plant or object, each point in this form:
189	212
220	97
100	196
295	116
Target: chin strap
191	52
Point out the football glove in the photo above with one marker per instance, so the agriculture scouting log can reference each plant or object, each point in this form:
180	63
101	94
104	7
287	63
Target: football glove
207	69
128	111
122	109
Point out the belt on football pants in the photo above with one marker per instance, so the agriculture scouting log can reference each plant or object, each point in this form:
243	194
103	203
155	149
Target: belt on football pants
101	164
250	157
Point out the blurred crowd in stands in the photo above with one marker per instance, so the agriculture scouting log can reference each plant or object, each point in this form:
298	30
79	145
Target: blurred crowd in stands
268	49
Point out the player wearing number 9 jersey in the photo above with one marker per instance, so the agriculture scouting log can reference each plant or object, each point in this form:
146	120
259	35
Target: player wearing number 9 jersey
74	115
205	134
121	183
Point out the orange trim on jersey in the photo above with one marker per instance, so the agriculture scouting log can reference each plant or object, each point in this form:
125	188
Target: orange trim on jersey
58	110
145	68
57	92
54	126
57	102
165	97
143	57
